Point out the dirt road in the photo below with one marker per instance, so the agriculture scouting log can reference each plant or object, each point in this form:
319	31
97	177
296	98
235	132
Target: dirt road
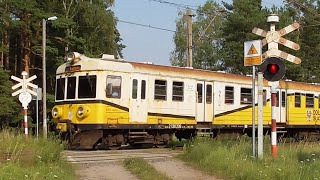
106	165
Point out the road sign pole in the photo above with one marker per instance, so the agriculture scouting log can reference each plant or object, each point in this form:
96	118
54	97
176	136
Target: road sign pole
260	113
25	113
37	116
253	112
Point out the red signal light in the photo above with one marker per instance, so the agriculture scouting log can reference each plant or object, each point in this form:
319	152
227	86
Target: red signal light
273	68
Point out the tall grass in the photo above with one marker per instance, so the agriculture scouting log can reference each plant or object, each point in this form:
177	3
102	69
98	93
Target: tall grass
233	160
32	158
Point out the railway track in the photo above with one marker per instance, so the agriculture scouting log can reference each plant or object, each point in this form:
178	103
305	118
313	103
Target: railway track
107	156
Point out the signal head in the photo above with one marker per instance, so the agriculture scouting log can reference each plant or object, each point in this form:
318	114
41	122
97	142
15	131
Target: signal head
273	69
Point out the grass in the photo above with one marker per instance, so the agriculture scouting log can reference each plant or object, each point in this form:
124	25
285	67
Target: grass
32	158
143	170
233	160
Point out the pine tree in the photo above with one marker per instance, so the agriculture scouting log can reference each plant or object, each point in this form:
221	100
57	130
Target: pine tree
9	106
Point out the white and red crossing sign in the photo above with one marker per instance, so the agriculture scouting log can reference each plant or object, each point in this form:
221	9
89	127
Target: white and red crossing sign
24	95
276	37
24	92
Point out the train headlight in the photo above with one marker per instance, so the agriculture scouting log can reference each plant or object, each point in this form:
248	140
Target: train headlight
83	112
80	111
56	112
73	57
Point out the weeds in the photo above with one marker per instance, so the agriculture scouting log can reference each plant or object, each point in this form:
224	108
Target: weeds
32	158
233	159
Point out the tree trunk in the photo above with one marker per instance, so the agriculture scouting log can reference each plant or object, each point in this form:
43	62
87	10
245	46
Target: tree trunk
6	44
27	53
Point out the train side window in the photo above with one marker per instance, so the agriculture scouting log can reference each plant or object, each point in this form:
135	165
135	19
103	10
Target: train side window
264	97
283	99
87	86
113	87
134	89
60	88
229	95
160	90
177	91
309	100
246	96
209	94
71	88
199	91
297	100
143	89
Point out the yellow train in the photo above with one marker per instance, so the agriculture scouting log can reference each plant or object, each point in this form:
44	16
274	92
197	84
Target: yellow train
113	102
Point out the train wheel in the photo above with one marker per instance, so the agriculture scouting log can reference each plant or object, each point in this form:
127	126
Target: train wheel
73	141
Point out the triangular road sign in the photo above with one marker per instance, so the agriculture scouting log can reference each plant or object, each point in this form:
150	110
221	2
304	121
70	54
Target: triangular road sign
252	50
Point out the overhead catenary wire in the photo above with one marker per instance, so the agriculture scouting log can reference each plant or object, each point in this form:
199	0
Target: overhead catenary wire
175	4
144	25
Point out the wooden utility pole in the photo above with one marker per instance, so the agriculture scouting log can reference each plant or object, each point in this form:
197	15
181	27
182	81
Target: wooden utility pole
188	17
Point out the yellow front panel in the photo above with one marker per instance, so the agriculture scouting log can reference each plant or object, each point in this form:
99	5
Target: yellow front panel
107	114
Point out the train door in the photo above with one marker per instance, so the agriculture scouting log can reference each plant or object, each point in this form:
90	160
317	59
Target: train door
280	110
209	102
138	100
204	101
283	106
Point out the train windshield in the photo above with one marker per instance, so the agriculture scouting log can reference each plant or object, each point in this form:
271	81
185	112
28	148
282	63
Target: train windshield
60	87
71	87
87	87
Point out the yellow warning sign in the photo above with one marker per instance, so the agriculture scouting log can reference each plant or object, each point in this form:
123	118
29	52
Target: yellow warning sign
252	61
252	50
252	53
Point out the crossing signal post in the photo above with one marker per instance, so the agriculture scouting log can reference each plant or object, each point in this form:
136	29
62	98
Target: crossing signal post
24	95
273	69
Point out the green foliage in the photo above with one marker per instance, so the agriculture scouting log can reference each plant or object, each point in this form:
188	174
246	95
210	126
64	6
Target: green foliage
87	27
233	160
32	158
243	16
143	170
222	45
9	106
206	35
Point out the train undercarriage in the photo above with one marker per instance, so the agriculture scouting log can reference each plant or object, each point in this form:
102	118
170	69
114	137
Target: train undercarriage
88	139
114	138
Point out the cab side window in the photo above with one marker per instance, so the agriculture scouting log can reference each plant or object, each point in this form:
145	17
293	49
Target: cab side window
113	89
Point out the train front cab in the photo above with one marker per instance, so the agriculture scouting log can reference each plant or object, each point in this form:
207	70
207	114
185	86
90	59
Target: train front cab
117	108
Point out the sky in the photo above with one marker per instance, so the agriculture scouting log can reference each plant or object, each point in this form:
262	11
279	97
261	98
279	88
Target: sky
144	44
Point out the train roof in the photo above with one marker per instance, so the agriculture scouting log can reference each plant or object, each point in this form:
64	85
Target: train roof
108	63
